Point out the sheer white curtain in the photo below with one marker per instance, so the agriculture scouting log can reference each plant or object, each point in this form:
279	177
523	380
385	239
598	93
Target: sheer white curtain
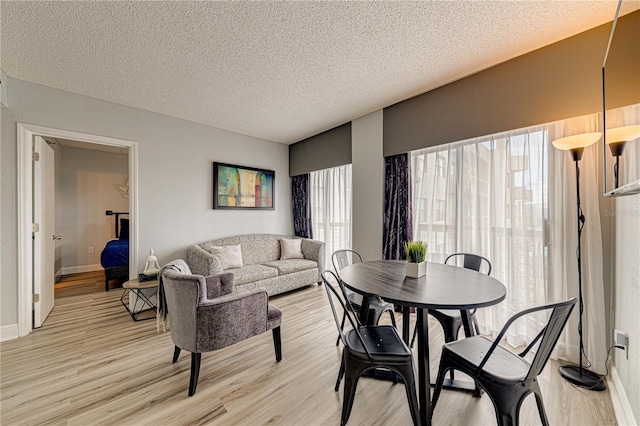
563	263
488	196
512	198
330	194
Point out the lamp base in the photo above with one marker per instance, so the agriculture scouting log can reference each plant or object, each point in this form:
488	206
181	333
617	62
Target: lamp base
582	377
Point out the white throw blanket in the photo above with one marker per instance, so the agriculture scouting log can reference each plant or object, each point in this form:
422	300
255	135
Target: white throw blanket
179	266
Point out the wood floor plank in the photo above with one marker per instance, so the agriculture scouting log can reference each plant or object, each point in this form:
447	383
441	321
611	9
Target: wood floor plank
90	364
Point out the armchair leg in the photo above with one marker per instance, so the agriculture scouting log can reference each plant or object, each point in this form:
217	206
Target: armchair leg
176	354
277	343
195	371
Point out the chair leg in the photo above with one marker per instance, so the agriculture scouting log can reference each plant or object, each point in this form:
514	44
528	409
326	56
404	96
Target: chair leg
442	370
344	317
475	325
415	334
340	375
195	371
176	354
412	396
393	318
277	343
541	411
508	417
350	385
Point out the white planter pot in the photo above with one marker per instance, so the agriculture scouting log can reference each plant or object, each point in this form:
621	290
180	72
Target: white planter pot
416	270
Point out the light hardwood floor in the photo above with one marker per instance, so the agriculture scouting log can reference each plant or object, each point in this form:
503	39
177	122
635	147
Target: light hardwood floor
91	364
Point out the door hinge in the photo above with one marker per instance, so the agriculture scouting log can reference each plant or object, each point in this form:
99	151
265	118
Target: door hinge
36	156
36	297
35	227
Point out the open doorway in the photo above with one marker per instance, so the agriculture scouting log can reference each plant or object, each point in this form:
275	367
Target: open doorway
26	136
92	209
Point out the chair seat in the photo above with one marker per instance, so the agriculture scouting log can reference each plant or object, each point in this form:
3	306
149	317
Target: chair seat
274	317
502	363
382	340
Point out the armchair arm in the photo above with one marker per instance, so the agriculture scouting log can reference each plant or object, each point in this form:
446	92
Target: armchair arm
314	250
229	319
201	262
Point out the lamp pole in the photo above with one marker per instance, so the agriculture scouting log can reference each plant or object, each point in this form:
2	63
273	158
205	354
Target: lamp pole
578	375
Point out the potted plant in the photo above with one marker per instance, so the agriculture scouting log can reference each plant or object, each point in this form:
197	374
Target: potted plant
415	252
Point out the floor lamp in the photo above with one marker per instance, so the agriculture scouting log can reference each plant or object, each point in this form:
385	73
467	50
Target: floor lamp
577	374
617	139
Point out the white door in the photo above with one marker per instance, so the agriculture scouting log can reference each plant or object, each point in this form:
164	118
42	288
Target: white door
44	238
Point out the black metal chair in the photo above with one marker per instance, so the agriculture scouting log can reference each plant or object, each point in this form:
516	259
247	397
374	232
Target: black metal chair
366	348
451	320
377	306
506	377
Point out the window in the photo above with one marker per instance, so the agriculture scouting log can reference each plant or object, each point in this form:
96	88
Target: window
330	194
489	198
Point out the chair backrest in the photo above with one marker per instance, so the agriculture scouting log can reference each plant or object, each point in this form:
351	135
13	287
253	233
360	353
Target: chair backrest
470	261
549	335
330	281
182	293
343	258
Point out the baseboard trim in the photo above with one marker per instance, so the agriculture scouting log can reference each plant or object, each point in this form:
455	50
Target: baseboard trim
8	332
621	405
81	268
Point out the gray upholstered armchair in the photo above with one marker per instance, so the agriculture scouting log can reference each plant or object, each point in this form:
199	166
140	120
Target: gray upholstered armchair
205	314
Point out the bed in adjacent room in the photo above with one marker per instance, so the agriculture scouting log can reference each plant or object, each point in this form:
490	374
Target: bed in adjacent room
115	255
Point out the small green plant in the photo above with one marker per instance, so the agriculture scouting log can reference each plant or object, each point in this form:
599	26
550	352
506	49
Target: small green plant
415	251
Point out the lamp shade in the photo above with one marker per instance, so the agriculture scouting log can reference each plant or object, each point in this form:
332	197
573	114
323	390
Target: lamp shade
582	140
577	143
623	134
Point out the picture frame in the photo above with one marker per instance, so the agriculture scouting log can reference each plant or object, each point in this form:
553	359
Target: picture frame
242	187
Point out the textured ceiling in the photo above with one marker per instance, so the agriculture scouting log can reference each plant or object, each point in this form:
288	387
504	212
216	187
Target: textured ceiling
280	71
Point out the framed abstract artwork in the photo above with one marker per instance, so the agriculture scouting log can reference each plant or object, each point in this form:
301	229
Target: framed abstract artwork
240	187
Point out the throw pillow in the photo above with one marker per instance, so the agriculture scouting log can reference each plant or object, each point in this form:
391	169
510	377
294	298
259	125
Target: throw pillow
230	256
291	249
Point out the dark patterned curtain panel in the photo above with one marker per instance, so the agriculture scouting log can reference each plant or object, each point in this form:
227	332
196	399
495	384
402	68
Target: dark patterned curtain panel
301	206
398	221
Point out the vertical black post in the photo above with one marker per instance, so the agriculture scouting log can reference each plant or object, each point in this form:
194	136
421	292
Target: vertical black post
576	374
580	223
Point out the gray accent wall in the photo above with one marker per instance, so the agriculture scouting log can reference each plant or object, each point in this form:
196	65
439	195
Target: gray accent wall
174	173
325	150
556	82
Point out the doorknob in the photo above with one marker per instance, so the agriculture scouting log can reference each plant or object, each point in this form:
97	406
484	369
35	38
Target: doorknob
57	237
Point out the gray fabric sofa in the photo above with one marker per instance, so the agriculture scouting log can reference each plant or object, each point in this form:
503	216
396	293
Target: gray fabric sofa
262	266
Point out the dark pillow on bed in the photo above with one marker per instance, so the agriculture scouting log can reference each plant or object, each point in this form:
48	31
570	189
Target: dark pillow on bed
124	229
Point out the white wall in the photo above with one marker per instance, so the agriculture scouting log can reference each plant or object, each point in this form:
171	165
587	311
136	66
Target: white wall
368	185
175	174
86	193
627	294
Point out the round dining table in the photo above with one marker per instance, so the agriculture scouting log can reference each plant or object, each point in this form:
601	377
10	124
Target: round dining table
443	287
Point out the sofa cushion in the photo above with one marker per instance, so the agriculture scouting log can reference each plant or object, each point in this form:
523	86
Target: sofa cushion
230	256
291	249
290	266
256	248
251	273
